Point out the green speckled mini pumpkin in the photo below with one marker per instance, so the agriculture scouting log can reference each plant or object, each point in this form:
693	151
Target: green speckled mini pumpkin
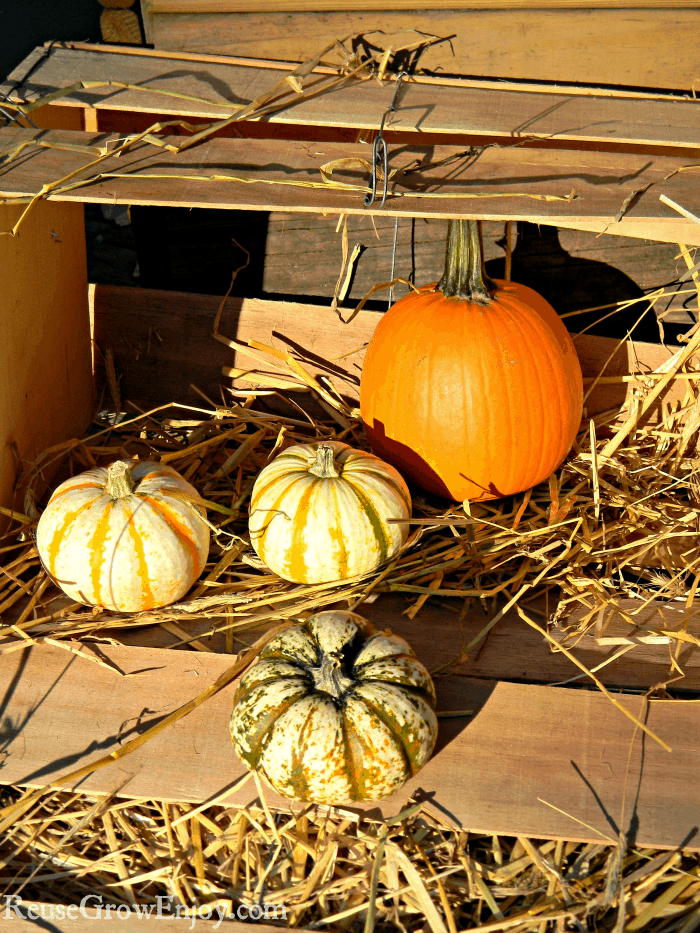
334	711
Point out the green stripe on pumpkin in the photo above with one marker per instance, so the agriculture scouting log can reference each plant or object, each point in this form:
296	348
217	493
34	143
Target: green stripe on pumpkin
374	519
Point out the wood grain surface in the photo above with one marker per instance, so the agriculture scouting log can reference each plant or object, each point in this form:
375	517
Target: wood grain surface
496	183
421	109
641	47
523	744
44	329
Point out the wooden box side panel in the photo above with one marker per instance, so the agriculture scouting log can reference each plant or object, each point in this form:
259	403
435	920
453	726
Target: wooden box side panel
45	356
638	47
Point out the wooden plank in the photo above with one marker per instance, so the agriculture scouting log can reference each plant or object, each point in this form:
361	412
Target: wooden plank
423	108
523	744
247	6
608	46
45	355
572	269
513	651
159	369
495	184
419	77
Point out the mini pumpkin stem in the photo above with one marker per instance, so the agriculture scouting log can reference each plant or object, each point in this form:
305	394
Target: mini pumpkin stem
464	275
120	482
329	677
324	465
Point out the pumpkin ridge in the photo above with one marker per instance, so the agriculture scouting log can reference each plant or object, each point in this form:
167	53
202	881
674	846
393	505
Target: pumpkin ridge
275	508
388	480
533	444
266	736
553	398
60	533
140	551
180	530
298	569
396	738
352	765
396	735
408	688
515	323
337	534
257	750
374	519
62	492
263	490
98	543
273	678
357	669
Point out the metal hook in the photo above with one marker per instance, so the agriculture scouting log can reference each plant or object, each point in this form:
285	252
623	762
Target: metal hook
380	153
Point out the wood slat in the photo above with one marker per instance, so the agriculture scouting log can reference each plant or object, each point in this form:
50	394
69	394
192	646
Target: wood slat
157	370
241	6
44	329
602	182
422	108
512	652
523	744
639	47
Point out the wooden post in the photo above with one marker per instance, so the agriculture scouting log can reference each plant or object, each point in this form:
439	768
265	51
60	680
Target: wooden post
46	392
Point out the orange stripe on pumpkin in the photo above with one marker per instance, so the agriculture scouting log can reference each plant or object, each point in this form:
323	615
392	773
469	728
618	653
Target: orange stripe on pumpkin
62	492
140	551
60	533
98	544
180	529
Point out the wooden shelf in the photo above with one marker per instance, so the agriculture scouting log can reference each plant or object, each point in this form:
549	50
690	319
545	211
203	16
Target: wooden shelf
426	106
273	175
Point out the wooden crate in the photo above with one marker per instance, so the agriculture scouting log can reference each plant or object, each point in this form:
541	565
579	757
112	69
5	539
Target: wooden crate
618	150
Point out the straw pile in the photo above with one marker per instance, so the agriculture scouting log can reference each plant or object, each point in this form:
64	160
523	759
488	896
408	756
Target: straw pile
329	870
619	519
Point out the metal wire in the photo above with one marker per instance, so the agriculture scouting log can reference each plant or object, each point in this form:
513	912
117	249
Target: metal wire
393	262
380	155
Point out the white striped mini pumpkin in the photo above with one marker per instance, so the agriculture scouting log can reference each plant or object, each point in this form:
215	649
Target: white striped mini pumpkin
127	537
321	513
334	711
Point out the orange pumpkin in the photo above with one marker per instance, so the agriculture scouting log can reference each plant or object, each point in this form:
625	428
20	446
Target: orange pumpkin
471	388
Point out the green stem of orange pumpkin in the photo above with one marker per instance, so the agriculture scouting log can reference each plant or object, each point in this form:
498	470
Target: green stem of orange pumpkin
120	482
464	275
324	465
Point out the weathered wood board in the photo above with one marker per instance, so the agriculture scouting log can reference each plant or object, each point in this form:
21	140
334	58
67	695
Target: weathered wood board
42	271
562	188
594	44
523	744
423	108
512	651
